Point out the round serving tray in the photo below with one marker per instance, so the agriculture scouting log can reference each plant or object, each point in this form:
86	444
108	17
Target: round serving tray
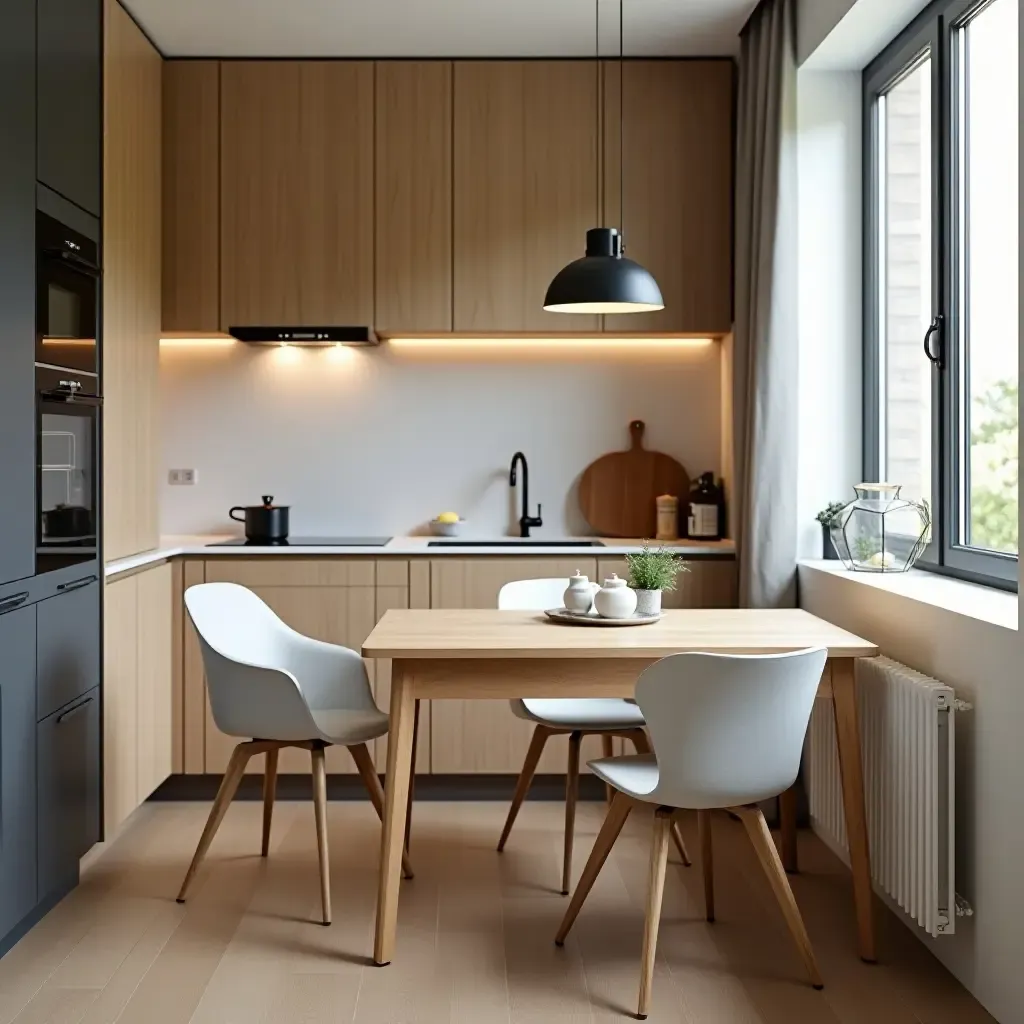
567	618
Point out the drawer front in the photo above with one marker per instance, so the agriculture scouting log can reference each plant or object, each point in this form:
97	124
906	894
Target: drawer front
67	647
17	766
286	571
68	774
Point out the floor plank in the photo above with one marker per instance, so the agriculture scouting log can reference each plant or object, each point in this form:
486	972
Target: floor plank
476	930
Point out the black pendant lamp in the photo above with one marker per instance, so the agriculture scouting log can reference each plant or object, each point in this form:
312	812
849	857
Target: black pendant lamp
604	281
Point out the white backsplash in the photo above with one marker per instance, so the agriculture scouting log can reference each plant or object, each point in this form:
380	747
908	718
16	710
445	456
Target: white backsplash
380	440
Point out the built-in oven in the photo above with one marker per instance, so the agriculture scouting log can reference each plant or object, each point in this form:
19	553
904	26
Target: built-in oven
67	429
67	297
67	395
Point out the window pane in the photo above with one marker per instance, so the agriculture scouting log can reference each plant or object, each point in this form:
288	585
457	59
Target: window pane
905	307
988	272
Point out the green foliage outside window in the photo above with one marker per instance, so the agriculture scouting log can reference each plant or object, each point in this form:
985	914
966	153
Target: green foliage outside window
995	468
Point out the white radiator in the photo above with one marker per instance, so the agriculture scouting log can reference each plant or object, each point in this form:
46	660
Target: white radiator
907	729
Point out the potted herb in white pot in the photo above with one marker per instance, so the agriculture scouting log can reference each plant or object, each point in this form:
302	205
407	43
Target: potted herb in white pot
650	573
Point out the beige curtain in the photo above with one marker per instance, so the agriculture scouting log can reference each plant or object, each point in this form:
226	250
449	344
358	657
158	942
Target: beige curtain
765	355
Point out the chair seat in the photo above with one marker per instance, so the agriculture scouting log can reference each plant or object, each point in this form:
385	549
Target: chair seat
346	728
591	714
635	775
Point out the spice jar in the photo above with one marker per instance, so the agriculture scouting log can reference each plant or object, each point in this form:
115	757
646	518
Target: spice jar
668	517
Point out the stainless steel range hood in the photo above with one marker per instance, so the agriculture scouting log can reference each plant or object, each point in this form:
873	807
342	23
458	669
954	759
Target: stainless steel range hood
305	336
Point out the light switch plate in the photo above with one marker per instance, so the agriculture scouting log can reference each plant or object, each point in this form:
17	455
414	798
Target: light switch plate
182	477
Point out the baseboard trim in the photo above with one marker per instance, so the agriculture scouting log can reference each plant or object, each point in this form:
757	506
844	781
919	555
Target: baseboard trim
349	787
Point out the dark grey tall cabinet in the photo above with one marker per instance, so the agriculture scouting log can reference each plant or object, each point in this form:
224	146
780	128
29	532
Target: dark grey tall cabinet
50	631
17	288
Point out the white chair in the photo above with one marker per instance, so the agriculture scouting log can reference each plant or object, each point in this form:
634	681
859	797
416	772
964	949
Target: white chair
728	731
280	689
605	716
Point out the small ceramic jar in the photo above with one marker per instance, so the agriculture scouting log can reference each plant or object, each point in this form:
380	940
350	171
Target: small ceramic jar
579	595
615	600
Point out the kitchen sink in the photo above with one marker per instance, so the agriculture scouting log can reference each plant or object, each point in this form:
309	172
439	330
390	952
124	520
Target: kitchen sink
524	542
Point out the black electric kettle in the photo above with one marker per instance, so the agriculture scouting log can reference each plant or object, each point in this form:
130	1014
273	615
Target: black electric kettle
264	523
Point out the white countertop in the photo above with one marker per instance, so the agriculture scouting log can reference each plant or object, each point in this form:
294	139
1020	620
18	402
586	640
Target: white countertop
193	546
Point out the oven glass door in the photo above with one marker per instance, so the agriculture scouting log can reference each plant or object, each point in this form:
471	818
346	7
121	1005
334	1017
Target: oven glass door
66	483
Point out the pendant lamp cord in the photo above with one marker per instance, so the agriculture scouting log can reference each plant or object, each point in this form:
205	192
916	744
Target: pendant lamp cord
601	118
599	143
622	129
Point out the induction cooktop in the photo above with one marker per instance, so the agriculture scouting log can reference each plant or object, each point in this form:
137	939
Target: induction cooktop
303	542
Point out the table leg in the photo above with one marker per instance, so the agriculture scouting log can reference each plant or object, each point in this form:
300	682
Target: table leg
787	829
844	697
396	795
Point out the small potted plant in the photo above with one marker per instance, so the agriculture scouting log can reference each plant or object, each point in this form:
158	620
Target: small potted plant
651	572
825	517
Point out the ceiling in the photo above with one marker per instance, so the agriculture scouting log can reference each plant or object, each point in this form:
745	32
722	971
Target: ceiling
438	28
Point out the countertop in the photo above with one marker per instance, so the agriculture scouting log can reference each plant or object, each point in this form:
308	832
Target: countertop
194	546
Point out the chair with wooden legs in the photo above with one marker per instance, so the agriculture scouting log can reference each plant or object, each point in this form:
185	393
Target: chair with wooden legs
728	731
607	717
282	689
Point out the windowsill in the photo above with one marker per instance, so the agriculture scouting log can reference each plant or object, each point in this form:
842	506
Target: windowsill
987	604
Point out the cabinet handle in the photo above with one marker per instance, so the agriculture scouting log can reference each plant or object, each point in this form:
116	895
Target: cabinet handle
72	711
8	604
73	262
75	584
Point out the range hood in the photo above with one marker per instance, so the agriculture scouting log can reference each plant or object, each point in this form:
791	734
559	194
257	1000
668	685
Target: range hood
305	336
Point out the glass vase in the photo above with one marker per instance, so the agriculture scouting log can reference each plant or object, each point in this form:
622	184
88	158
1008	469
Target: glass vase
879	531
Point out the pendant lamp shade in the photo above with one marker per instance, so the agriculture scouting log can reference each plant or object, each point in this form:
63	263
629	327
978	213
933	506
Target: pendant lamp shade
603	281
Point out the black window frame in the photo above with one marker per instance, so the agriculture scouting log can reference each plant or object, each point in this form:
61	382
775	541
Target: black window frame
933	34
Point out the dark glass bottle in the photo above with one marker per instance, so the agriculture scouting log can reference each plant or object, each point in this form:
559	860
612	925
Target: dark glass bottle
704	516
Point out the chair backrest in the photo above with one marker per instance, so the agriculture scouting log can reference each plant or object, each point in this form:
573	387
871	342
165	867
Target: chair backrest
237	624
532	595
262	676
727	729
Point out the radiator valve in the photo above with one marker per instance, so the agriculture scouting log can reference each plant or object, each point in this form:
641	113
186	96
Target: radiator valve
963	908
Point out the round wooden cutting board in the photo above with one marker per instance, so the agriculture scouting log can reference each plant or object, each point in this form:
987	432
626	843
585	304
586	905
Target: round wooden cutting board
618	491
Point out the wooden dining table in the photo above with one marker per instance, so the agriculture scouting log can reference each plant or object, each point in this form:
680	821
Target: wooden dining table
485	654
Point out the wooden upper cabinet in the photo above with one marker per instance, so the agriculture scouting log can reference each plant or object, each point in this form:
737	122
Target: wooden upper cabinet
131	286
297	192
191	195
525	188
414	196
678	163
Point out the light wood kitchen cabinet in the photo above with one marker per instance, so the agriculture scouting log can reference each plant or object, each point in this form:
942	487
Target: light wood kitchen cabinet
191	196
297	192
710	583
483	736
430	196
678	186
131	286
340	599
525	188
138	719
413	223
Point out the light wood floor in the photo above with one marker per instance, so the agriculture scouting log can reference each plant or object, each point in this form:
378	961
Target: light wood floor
475	932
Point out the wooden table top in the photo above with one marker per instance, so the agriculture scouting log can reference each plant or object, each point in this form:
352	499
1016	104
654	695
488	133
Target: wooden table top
441	633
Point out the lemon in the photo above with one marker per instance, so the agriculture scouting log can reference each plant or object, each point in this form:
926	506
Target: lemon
448	517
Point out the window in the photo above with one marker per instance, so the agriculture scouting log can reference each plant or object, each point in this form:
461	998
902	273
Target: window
941	280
